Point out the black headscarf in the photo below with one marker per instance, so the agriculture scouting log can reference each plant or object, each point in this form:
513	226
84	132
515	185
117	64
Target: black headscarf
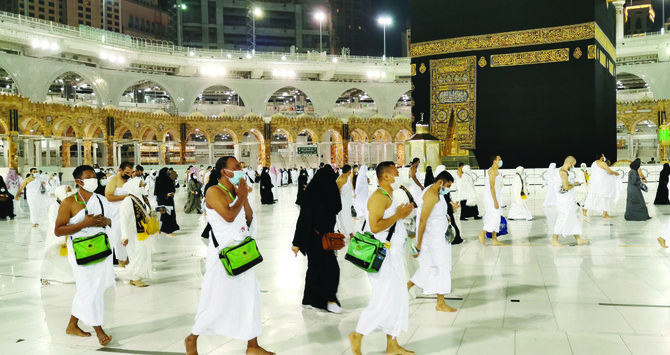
3	186
635	165
666	169
430	179
164	184
322	191
319	207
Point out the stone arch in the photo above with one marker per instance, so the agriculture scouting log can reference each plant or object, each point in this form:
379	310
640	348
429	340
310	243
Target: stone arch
92	128
221	97
285	131
197	135
352	95
31	123
311	134
4	127
148	134
633	86
359	135
402	135
404	104
136	91
87	80
289	100
121	130
8	83
381	135
639	121
333	134
170	133
227	131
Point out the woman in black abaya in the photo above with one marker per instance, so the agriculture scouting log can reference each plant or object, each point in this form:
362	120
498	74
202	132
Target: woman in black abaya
164	191
662	191
267	198
302	185
6	201
636	209
318	213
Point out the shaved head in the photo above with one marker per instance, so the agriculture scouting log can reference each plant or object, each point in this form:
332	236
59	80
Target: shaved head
570	160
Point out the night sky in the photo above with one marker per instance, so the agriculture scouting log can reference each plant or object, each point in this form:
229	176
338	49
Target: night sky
399	11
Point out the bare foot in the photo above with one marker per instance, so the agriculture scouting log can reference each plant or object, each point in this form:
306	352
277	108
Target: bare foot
555	243
138	283
605	215
398	350
104	339
122	263
76	331
661	241
583	241
444	308
191	345
482	239
171	235
355	340
35	225
584	212
496	243
258	351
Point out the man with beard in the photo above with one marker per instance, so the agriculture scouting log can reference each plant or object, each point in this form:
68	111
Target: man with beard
115	194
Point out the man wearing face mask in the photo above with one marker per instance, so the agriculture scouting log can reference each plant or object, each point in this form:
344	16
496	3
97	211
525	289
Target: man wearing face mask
492	202
567	221
83	215
33	185
388	309
413	170
434	273
115	193
230	306
602	188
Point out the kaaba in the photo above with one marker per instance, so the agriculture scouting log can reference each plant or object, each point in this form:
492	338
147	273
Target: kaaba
530	80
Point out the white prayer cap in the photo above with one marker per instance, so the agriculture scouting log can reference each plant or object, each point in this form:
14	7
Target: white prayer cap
519	169
466	169
583	165
439	169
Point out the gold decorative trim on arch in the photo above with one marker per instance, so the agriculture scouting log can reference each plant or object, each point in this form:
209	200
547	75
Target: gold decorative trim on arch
527	58
549	35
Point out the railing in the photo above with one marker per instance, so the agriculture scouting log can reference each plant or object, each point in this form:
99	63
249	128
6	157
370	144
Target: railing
10	21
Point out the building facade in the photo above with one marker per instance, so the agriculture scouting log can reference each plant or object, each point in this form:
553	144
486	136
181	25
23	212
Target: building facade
229	25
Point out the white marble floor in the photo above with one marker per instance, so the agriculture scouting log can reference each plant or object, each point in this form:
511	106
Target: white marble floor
611	297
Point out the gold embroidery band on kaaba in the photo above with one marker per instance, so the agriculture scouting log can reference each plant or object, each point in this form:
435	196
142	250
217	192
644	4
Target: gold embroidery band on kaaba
549	35
535	57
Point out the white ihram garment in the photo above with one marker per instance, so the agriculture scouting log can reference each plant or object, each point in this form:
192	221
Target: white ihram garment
603	190
551	185
519	209
115	230
434	273
139	251
388	309
229	305
567	221
345	222
492	216
55	267
88	304
36	200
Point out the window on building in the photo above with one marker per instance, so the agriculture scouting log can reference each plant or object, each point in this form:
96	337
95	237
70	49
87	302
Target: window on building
31	7
80	8
81	22
31	14
41	2
88	16
41	9
88	9
51	18
88	23
212	35
80	1
52	11
51	4
42	17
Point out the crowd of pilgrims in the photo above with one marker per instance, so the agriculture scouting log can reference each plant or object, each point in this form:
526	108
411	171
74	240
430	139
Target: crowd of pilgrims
415	219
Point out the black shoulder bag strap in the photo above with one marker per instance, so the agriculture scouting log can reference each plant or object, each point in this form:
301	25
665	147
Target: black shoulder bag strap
391	231
208	230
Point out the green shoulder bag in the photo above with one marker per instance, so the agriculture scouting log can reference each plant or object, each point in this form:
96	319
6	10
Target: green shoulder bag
239	258
93	249
366	252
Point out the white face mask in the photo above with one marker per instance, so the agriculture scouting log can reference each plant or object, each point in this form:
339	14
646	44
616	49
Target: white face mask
90	184
396	183
35	175
500	164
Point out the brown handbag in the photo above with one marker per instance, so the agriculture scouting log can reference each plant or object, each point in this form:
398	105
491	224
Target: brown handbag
332	241
4	197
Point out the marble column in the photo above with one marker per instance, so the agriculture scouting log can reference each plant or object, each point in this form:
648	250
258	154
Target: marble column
47	159
161	153
620	19
79	155
182	152
110	151
95	153
138	153
88	145
65	153
38	152
13	150
210	146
